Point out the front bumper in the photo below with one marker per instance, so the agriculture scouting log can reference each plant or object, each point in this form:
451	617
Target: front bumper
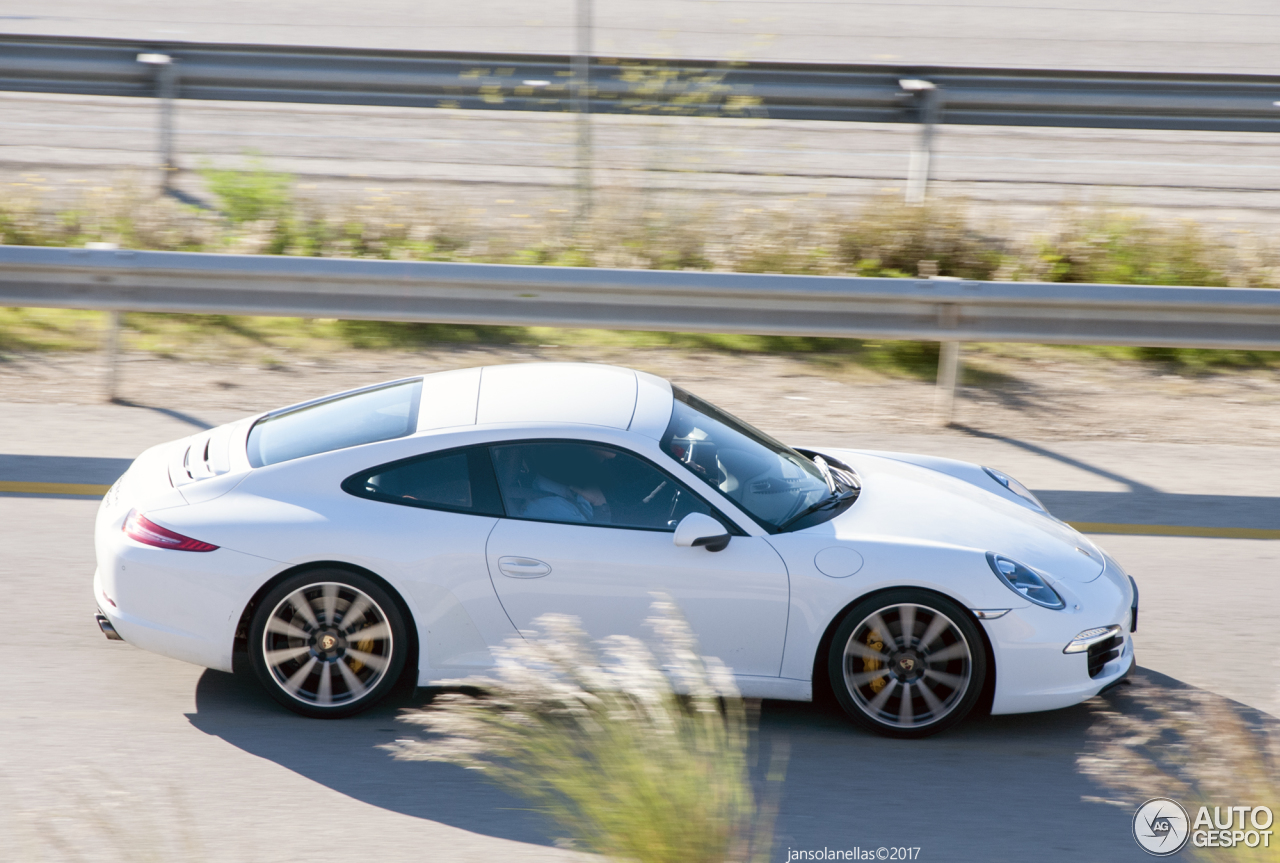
1032	671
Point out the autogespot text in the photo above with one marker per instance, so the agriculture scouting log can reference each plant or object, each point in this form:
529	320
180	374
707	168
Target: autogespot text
1231	826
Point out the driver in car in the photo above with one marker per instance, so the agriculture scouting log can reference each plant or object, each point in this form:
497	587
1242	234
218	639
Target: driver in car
571	480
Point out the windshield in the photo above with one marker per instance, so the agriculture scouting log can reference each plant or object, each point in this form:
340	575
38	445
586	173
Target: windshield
770	481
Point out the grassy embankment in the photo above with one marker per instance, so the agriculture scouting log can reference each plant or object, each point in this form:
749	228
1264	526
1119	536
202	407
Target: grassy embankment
261	212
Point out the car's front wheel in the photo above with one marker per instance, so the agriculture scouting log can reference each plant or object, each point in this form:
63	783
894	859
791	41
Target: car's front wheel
328	643
907	663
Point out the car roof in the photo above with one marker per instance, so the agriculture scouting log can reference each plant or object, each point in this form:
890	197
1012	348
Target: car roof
575	393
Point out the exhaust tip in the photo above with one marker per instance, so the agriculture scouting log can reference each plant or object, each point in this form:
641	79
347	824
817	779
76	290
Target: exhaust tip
107	629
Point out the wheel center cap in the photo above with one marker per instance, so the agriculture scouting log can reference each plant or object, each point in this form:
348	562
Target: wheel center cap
907	665
328	644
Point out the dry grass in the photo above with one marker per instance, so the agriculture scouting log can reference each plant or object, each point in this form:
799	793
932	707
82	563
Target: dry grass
1189	745
261	212
639	759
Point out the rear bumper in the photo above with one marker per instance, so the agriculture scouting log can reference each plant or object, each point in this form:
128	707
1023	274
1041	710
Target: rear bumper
175	603
210	649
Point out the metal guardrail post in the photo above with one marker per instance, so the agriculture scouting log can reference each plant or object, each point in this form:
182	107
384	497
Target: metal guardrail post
111	340
582	107
944	397
166	91
926	97
944	394
111	382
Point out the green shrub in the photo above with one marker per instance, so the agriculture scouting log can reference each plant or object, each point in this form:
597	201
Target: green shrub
1110	247
251	194
884	238
889	238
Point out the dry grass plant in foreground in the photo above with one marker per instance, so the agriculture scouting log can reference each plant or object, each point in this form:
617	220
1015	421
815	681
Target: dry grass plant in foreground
1189	745
638	758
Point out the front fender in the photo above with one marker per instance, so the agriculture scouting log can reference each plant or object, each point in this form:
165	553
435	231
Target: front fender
817	598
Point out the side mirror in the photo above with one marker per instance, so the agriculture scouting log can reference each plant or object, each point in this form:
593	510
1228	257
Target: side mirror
696	529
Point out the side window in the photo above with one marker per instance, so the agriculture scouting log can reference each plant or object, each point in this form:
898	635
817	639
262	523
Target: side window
459	480
583	483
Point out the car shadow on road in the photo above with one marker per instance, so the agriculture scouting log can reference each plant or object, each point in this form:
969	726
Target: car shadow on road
994	788
342	755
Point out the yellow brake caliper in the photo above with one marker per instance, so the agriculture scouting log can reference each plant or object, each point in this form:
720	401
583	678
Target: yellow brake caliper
364	647
876	643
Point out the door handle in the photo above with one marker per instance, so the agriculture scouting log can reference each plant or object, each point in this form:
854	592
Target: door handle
523	567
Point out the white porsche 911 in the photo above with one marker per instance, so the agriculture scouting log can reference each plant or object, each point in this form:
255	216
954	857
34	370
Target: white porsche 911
411	526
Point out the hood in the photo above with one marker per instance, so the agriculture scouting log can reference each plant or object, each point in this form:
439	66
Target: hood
910	502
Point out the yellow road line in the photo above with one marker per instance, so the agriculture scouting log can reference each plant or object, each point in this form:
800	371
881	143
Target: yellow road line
1175	530
72	488
85	489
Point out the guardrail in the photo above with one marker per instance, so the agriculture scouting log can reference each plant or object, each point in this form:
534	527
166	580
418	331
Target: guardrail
940	310
530	82
690	301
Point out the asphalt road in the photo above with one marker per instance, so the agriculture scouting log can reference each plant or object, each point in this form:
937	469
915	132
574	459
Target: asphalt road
107	752
511	166
488	165
1173	35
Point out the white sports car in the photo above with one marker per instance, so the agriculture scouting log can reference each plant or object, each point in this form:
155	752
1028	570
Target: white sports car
411	526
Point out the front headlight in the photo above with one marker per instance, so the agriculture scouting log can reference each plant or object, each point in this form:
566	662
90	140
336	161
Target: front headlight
1016	487
1024	581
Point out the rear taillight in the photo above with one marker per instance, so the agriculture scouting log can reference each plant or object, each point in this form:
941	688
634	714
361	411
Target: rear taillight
141	529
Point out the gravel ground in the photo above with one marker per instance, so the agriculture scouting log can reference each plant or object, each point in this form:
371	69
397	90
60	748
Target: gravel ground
1040	394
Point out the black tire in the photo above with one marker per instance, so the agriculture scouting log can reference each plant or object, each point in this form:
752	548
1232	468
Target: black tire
328	643
943	678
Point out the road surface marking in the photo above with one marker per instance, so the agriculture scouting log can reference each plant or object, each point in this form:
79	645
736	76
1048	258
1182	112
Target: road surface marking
71	488
86	489
1175	530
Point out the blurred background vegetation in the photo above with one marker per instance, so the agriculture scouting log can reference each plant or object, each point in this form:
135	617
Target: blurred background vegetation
254	210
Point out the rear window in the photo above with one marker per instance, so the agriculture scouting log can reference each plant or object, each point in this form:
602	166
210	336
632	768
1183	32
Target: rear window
457	480
380	413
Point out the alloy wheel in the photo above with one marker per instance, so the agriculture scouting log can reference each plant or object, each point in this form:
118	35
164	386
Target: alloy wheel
327	644
907	666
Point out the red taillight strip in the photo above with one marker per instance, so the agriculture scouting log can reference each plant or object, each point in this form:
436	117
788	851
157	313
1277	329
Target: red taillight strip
141	529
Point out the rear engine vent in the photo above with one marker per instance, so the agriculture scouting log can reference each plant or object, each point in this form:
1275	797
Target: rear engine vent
1102	653
205	456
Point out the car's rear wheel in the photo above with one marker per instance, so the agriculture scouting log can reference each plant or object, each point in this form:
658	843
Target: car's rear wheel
907	663
328	643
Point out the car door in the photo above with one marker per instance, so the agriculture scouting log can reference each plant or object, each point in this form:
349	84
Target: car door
588	532
429	516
